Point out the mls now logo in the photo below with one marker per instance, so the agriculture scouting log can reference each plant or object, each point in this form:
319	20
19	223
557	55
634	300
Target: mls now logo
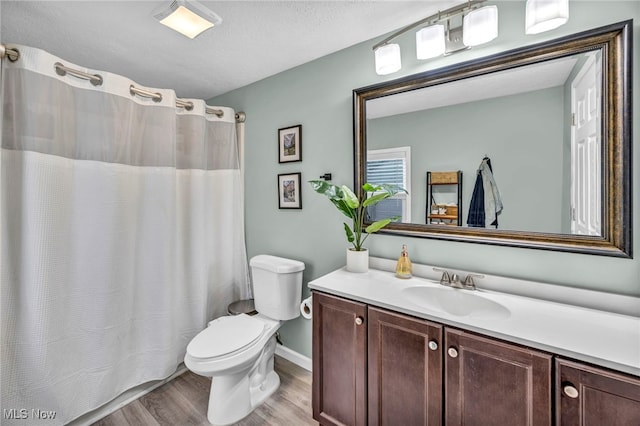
23	413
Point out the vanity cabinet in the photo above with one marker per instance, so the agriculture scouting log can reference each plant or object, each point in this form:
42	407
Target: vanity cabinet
419	372
587	395
378	367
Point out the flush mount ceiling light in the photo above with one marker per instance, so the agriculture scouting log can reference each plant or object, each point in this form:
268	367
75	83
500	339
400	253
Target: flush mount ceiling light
188	18
439	34
545	15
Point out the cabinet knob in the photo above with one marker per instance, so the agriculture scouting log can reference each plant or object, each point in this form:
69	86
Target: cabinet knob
453	352
359	320
433	345
570	391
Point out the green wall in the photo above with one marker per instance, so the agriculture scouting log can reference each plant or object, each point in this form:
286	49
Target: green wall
318	95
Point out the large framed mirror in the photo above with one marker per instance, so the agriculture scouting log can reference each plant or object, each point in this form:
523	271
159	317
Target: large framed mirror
554	122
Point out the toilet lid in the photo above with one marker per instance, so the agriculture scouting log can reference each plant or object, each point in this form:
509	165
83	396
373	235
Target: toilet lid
225	335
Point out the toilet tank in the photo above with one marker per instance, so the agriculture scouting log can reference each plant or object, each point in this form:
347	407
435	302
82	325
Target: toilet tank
277	286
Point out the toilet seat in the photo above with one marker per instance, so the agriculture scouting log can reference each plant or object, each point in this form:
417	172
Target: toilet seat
226	335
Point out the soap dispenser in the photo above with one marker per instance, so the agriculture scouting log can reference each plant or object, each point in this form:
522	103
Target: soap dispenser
403	268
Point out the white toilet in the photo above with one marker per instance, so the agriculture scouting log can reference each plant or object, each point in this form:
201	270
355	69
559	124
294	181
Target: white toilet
237	351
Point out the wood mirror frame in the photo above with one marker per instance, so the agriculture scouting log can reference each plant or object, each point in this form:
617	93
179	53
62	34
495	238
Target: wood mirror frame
615	43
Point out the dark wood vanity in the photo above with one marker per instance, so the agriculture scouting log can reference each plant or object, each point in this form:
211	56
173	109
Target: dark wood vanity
378	367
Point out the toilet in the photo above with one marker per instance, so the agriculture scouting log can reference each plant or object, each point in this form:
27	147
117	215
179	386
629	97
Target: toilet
237	351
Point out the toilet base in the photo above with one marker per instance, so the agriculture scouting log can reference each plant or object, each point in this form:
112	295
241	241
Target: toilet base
235	396
233	406
260	393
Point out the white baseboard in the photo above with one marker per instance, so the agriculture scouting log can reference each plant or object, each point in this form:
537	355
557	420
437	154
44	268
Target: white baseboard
294	357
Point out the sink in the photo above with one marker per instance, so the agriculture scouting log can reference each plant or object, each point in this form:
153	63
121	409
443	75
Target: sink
456	302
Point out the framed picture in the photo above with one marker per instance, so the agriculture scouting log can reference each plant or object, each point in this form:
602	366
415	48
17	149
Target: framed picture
289	195
290	144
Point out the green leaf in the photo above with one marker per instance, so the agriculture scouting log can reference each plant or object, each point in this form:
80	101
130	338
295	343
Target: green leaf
343	208
330	191
370	188
377	225
319	186
389	189
349	232
373	200
349	197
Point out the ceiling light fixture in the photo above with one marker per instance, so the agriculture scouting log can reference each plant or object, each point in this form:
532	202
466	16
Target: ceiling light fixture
188	18
440	35
545	15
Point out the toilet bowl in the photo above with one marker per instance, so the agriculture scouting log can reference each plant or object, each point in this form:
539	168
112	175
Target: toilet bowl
237	351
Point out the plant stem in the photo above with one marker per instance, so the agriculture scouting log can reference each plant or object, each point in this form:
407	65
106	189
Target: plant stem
360	221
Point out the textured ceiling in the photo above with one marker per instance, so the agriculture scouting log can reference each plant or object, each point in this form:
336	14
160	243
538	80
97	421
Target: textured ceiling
255	40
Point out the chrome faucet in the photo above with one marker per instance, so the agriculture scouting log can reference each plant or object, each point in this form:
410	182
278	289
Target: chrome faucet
445	279
468	282
453	280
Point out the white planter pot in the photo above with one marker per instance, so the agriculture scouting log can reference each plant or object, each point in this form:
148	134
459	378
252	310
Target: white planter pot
357	261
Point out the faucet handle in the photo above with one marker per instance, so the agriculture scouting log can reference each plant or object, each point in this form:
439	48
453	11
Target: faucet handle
445	279
468	281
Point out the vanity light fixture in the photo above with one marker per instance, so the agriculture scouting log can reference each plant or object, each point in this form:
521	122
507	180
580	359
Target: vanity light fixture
188	18
545	15
442	34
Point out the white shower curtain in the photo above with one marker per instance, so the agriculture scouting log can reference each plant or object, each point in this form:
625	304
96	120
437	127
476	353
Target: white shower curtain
122	234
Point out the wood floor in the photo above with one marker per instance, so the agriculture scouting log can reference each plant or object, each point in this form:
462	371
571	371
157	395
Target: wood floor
183	402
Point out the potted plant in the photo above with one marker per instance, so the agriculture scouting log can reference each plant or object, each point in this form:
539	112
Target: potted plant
348	203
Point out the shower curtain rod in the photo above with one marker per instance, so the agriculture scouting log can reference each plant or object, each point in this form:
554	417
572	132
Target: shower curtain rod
96	79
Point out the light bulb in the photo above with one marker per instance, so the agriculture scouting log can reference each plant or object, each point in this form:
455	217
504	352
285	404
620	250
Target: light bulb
480	26
430	42
388	59
545	15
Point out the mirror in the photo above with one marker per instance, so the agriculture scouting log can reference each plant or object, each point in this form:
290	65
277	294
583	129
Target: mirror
553	121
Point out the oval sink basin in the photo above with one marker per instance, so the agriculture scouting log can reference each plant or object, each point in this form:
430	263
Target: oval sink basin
456	302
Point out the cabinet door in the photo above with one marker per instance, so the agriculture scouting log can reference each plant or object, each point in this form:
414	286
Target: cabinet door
339	361
489	382
405	370
591	396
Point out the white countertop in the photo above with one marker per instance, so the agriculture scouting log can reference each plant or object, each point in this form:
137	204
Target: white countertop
603	338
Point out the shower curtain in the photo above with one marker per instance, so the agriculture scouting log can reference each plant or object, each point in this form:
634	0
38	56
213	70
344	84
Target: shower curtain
122	235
